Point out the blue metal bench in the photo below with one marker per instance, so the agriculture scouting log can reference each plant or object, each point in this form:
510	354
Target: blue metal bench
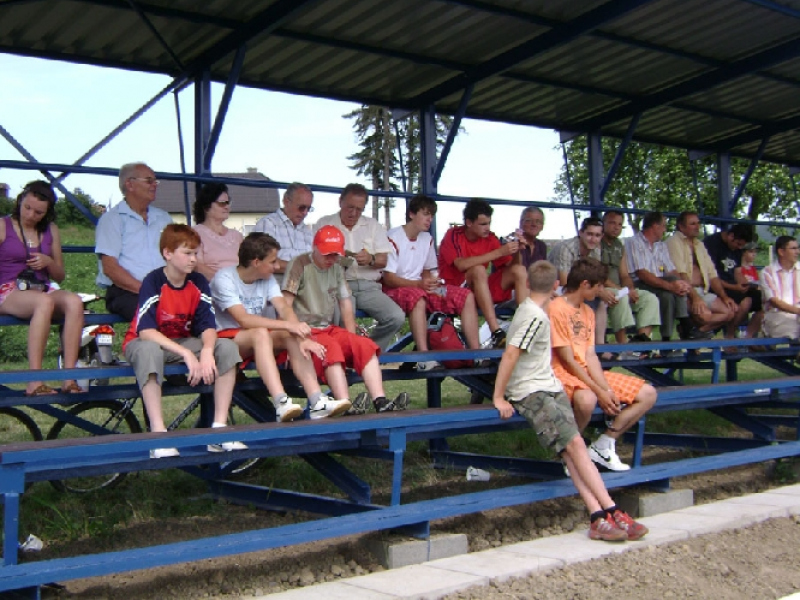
376	436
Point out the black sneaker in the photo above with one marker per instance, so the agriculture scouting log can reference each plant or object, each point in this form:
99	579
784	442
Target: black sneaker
384	405
360	405
498	339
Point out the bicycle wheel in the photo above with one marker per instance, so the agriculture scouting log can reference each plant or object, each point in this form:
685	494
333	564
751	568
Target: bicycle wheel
19	428
112	415
236	414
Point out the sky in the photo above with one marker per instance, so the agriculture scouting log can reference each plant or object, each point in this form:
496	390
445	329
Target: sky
57	111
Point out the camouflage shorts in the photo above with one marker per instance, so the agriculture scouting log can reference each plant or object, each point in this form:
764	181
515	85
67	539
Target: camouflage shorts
550	415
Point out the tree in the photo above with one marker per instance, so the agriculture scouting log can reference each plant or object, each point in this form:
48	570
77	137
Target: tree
653	177
68	213
378	158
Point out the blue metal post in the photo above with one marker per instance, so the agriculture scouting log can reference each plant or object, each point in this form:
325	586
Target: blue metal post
750	168
49	176
612	170
202	120
427	136
182	153
222	111
596	170
451	135
176	84
724	184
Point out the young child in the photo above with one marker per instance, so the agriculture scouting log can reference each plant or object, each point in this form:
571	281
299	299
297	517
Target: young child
314	284
410	279
747	273
577	367
526	383
246	298
174	322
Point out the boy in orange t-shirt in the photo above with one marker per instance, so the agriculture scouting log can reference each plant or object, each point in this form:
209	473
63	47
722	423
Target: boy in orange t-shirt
577	367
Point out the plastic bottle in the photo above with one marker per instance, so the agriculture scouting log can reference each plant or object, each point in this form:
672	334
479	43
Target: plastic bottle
442	289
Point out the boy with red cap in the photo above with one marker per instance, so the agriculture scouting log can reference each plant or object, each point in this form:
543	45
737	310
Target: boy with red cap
314	284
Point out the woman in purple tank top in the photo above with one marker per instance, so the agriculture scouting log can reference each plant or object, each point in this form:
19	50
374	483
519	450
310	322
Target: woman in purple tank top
30	242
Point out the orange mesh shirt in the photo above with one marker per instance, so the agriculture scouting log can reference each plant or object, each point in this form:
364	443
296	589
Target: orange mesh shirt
570	326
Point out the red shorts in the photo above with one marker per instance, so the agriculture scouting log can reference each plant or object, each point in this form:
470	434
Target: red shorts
625	387
452	303
343	347
496	288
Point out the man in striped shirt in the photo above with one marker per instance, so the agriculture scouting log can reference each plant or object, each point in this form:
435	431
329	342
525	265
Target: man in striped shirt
780	283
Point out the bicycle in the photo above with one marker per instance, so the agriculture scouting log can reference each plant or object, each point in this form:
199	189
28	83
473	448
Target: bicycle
108	417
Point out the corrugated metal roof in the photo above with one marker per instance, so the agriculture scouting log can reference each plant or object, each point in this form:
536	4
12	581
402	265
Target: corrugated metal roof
717	74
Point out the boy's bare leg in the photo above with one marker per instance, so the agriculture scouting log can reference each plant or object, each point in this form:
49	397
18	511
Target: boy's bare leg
626	419
373	379
258	343
151	396
469	323
223	395
302	367
337	380
584	475
478	282
418	322
516	276
583	404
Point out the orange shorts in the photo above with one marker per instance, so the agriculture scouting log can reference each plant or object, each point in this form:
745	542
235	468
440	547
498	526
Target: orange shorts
625	387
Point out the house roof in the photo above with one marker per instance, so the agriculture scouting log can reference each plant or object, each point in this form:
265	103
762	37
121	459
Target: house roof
710	75
245	199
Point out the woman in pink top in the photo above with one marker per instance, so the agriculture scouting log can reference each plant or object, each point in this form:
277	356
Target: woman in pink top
30	253
219	245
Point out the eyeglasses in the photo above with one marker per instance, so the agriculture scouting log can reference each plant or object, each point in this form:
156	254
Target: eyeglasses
358	209
306	208
223	202
534	221
147	180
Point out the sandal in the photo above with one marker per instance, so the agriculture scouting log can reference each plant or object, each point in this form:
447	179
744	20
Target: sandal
42	390
72	388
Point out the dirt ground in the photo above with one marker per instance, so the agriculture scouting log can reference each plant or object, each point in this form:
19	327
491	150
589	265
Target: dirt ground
757	562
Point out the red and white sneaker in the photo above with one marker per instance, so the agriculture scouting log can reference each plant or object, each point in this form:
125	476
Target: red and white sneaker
607	530
634	530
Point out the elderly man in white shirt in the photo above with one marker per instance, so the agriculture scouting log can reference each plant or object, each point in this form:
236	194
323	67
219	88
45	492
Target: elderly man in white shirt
367	248
287	224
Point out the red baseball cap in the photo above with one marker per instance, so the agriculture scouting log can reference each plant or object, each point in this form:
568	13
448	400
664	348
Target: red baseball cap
329	240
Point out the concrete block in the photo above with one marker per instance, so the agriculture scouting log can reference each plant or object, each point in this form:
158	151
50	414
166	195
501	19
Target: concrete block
497	564
647	505
692	524
394	554
571	547
417	582
335	590
788	501
792	490
739	515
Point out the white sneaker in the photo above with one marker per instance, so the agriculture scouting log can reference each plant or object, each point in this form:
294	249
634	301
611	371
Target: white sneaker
164	452
607	457
328	407
226	447
427	365
287	410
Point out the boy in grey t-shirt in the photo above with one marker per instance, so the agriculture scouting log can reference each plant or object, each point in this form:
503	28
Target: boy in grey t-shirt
526	383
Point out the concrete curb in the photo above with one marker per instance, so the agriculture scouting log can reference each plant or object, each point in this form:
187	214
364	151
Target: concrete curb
448	575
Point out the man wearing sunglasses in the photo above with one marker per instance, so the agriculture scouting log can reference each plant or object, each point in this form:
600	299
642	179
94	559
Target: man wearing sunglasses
287	225
127	239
